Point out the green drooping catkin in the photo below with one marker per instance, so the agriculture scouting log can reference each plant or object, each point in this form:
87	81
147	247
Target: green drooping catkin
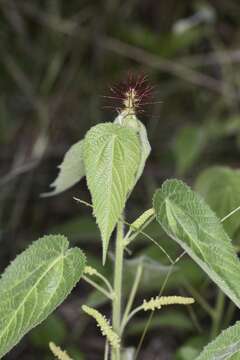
104	325
158	302
58	352
142	219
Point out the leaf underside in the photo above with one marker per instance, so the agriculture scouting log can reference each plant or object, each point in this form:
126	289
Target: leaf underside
112	156
188	220
225	346
34	284
132	122
145	148
72	170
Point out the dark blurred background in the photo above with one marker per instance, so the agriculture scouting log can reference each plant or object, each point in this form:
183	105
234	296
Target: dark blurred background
57	61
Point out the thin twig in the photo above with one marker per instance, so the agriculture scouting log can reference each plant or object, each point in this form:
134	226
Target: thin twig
98	287
152	312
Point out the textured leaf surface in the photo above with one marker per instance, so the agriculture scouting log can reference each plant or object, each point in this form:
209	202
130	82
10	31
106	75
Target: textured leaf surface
71	170
220	187
34	284
132	122
186	218
225	346
111	155
145	148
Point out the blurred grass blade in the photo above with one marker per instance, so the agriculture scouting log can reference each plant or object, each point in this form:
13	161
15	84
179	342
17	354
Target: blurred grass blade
34	284
187	219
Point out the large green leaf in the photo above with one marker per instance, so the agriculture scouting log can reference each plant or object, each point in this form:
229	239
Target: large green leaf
186	218
71	170
112	155
34	284
225	346
220	187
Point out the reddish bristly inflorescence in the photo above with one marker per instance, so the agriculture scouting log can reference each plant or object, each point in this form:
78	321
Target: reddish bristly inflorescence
131	95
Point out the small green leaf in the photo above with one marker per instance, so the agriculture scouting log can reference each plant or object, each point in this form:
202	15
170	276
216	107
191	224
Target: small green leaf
187	219
34	284
220	187
111	156
145	148
225	346
132	122
71	170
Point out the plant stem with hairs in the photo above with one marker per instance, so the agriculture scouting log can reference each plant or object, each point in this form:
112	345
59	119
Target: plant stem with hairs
118	269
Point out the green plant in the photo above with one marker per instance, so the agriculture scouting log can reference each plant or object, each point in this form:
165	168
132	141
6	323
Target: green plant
112	156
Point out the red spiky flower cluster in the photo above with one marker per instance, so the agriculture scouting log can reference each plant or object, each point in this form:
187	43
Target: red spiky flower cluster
131	95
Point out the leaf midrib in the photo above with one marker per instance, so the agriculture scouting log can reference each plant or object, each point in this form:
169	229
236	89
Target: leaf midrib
168	205
229	286
200	227
61	256
110	183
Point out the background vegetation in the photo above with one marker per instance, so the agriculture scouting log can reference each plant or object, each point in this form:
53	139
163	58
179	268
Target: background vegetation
58	58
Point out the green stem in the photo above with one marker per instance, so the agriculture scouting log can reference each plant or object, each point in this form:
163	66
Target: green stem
106	282
116	309
132	234
106	351
133	313
98	287
132	296
218	314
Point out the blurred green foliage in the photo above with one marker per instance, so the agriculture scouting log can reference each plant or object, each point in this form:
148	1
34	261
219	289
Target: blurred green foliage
57	61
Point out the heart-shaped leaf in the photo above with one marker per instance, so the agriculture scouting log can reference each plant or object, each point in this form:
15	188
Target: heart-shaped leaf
187	219
34	284
112	155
